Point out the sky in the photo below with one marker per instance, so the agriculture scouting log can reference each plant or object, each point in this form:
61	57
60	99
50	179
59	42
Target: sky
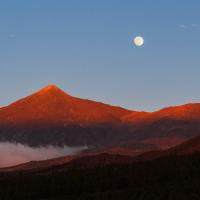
86	48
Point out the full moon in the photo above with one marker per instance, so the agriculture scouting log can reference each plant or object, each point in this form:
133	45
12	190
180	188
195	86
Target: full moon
138	41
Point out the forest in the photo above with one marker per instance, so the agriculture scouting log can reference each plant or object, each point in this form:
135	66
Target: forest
171	178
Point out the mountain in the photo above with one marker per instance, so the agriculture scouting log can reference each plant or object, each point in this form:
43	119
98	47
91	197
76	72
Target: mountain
189	147
51	116
167	127
51	104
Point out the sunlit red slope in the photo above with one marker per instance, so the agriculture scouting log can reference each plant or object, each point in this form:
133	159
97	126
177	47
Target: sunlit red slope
51	116
53	104
167	127
183	112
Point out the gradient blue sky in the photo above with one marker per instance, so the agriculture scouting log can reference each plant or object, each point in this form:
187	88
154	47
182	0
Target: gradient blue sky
85	47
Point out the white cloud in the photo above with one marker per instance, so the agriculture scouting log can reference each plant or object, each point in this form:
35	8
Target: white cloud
183	26
14	154
196	25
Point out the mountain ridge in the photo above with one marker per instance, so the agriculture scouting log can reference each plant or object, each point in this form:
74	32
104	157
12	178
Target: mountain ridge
52	100
53	117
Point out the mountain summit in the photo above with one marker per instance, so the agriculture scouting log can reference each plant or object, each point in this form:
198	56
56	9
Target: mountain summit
51	88
46	95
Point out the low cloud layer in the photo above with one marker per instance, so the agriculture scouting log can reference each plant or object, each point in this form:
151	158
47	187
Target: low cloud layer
14	154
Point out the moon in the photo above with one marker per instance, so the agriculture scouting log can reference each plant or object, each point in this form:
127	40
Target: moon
138	41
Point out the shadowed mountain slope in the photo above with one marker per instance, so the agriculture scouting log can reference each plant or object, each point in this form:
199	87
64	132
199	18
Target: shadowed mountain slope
189	147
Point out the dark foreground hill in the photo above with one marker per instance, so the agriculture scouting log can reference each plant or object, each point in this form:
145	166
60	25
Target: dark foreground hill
188	147
166	178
